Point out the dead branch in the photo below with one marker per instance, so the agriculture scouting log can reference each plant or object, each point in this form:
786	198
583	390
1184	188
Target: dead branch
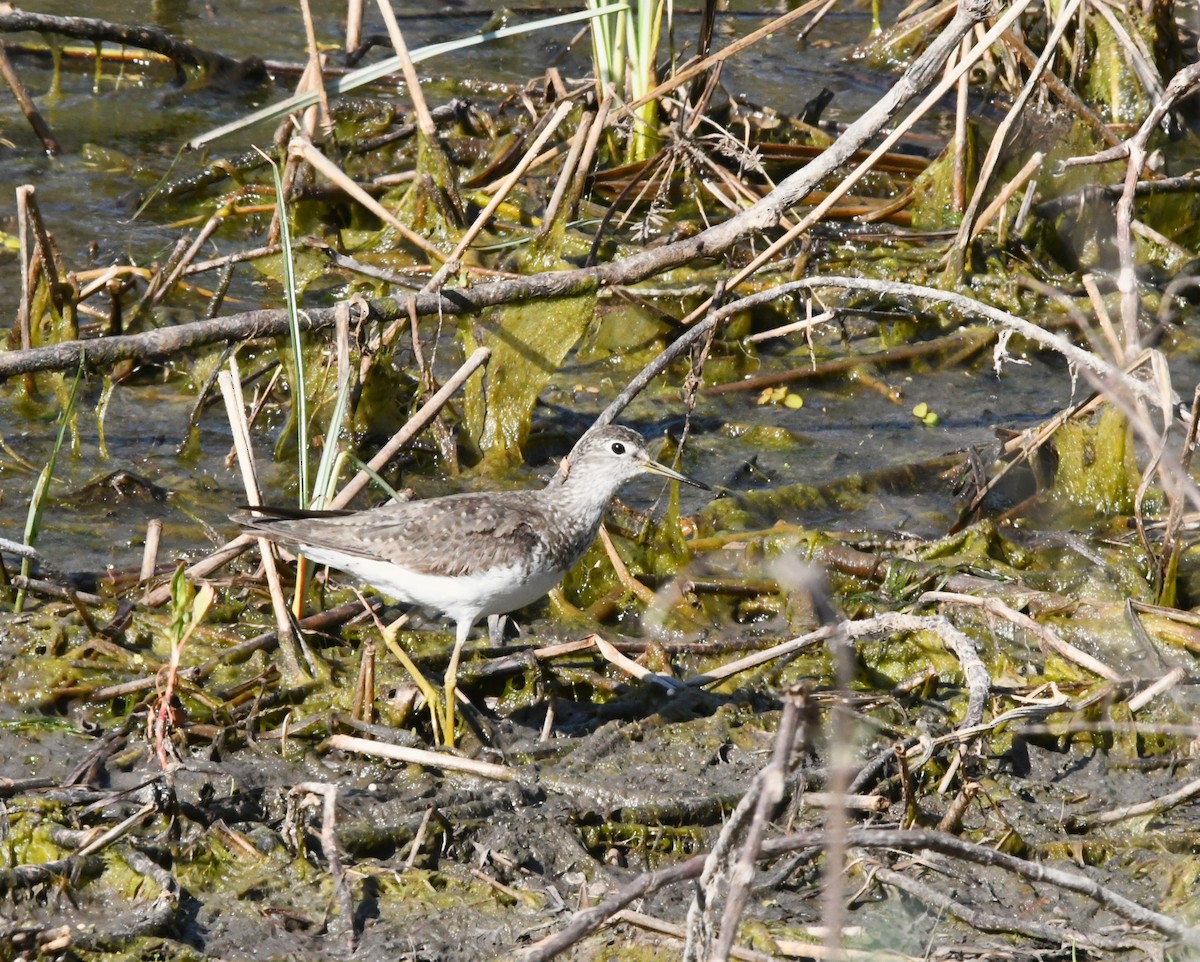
144	38
991	922
590	920
28	107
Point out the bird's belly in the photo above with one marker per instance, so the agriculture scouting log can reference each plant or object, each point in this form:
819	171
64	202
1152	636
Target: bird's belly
490	592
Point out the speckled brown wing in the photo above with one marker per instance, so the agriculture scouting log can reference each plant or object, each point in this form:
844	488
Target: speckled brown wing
456	535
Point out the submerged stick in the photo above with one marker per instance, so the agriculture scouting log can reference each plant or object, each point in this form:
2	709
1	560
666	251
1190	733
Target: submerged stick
28	107
144	38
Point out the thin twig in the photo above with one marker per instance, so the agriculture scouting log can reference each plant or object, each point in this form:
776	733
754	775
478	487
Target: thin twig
231	391
1015	114
1049	638
425	122
419	756
501	194
588	920
28	107
1155	806
303	147
416	424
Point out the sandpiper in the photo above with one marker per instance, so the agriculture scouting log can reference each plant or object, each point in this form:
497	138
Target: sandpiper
475	554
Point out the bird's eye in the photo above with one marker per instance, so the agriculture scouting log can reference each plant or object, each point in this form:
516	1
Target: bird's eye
618	447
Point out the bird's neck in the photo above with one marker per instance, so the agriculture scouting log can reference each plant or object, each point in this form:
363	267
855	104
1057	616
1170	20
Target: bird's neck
585	496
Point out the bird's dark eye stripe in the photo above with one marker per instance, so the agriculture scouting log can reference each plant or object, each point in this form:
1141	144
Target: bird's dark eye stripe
618	448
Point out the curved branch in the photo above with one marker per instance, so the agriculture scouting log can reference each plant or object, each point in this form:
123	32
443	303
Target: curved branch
144	38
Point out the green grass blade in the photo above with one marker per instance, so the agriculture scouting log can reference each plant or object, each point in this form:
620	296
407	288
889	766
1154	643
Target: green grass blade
374	476
366	75
37	501
300	388
329	453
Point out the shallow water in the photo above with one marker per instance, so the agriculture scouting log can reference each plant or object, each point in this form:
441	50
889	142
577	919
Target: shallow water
119	140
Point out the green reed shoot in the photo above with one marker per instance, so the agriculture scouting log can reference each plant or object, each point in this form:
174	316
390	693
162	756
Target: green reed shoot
37	501
300	387
621	37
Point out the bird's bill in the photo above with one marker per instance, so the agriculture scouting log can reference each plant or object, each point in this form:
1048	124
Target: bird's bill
653	467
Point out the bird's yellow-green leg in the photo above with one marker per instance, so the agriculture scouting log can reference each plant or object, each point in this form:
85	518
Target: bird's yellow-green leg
462	629
431	698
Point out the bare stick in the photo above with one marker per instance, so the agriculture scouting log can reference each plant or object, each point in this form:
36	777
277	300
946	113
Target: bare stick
202	568
1154	806
1015	113
49	589
1050	639
317	85
151	294
1007	193
323	165
150	552
810	640
1164	684
45	247
181	265
1107	373
589	148
28	107
425	122
586	921
566	176
1062	91
231	391
959	186
1137	147
992	922
419	756
416	424
1134	151
24	322
793	328
769	796
329	847
144	38
502	192
354	21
